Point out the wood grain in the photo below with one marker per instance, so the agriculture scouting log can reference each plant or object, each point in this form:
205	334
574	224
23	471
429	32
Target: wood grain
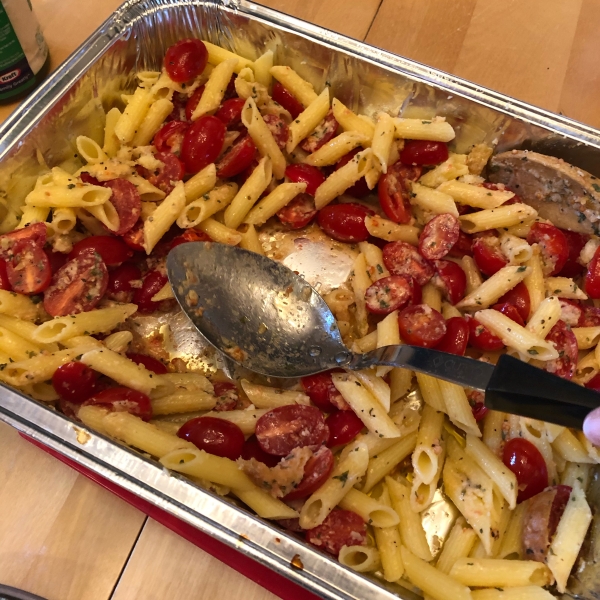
61	536
164	565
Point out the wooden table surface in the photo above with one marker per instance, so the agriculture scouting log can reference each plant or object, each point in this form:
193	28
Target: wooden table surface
65	538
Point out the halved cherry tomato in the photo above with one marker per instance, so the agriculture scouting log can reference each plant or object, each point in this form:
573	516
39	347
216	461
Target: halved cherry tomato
77	286
340	528
202	143
590	316
478	408
450	279
4	282
323	393
170	137
29	271
388	294
417	292
113	250
511	311
528	465
252	449
594	383
299	212
312	176
423	152
123	399
344	426
463	246
592	277
565	342
215	436
316	472
553	246
148	362
227	396
394	191
185	60
516	199
482	338
75	382
401	258
165	177
15	241
278	128
286	99
360	189
323	132
87	178
178	113
126	200
189	235
230	114
284	428
571	313
134	238
519	298
421	325
152	284
120	281
575	243
456	337
438	236
190	105
237	159
345	222
487	254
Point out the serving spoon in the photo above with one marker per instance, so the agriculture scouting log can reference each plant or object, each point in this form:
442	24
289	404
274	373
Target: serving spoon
268	319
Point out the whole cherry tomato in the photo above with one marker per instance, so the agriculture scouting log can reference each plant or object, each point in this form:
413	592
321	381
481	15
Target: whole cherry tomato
478	408
57	260
345	222
528	465
186	59
394	191
421	325
344	426
230	113
519	298
215	436
151	285
553	245
120	281
75	382
312	176
482	338
112	249
202	143
286	99
123	399
456	338
592	277
423	152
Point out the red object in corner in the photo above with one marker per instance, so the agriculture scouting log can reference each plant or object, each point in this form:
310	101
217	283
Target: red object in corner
274	582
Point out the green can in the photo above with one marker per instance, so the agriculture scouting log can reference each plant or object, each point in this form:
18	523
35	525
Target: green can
23	50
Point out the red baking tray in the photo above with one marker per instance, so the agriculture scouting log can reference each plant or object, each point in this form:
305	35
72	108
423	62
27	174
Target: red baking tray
275	583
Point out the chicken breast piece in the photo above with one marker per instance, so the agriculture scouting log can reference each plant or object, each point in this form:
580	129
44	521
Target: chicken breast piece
566	195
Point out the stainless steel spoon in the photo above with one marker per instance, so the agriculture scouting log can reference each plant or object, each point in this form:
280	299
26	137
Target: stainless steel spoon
268	319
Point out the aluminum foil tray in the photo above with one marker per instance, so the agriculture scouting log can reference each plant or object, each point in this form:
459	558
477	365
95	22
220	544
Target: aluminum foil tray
74	99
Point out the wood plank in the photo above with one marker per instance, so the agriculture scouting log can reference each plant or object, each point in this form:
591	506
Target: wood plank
332	14
61	536
164	565
427	31
581	89
535	38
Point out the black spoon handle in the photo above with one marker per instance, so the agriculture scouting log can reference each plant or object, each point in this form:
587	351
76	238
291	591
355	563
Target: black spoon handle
518	388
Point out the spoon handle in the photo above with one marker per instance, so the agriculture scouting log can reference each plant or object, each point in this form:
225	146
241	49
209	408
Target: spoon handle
510	386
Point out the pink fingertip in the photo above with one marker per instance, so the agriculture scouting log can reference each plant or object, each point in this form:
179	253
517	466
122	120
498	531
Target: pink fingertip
591	427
